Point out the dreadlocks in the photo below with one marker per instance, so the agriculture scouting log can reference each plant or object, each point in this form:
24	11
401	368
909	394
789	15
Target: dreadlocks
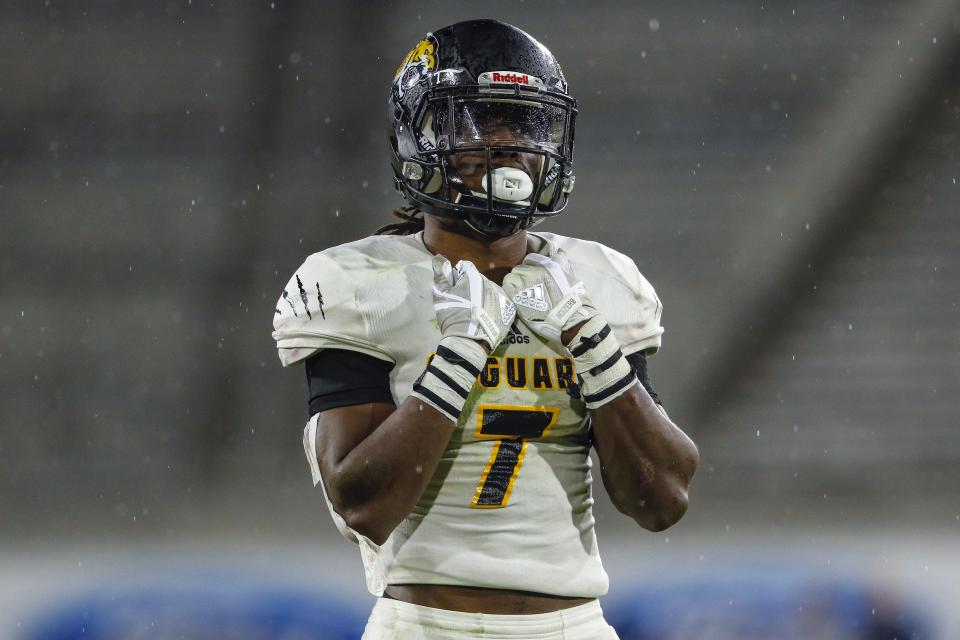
411	222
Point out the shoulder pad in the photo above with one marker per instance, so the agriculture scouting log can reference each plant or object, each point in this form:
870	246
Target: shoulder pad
618	289
318	309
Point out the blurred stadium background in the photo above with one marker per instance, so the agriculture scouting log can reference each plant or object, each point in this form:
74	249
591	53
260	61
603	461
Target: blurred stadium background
785	173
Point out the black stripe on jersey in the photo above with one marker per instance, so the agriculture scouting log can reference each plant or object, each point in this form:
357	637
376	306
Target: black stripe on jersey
589	342
455	358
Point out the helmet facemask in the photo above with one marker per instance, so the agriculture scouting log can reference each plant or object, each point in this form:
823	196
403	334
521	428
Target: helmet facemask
497	156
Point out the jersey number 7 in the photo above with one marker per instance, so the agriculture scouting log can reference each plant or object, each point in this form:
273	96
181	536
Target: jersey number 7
511	426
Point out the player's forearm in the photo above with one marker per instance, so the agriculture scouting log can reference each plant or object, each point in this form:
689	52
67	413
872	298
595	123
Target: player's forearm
379	481
382	477
646	461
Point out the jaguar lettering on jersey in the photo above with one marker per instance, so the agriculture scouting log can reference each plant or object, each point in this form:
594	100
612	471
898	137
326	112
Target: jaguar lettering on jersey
539	373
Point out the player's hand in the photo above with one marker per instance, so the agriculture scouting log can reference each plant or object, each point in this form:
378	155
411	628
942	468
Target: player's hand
474	315
551	301
548	296
468	305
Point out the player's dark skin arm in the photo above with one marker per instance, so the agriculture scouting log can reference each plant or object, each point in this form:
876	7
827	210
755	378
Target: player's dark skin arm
646	461
376	460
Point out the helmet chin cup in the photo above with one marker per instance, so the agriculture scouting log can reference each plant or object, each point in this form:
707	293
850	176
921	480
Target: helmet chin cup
497	226
509	184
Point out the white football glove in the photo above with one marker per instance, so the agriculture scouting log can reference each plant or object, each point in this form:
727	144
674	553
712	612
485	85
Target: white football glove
469	305
474	315
550	300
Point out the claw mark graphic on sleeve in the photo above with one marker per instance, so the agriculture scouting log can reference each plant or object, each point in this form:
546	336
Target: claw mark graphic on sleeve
303	297
290	302
320	300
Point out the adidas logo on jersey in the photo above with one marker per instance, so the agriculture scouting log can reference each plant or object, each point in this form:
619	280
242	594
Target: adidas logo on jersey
514	336
534	297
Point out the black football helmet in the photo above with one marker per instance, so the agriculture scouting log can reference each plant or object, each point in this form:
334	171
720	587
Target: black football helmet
481	127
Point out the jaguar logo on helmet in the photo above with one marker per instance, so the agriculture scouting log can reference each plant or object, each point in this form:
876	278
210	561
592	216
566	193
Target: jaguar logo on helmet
421	60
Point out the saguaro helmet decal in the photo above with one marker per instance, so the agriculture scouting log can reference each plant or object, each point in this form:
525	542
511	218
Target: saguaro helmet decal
421	59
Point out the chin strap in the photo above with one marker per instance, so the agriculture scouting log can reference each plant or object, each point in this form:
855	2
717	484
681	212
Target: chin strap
502	226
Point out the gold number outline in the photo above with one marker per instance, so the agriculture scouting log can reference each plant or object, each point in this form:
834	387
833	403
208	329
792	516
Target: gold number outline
500	438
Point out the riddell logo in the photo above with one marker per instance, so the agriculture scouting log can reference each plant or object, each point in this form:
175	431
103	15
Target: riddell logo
512	78
509	77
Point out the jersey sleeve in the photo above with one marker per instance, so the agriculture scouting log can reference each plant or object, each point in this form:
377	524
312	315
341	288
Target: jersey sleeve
642	330
318	309
636	321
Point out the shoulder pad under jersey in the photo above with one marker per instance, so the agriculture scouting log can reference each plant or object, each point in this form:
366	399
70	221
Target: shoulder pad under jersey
618	289
320	308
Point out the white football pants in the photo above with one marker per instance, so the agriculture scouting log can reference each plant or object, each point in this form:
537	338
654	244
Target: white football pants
397	620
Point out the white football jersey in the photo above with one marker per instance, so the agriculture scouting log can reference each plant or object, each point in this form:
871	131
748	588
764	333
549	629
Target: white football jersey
510	504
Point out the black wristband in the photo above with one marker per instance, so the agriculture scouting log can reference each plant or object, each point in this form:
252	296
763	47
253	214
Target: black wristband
638	361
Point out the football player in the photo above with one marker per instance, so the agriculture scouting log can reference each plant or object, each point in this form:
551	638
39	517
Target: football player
461	366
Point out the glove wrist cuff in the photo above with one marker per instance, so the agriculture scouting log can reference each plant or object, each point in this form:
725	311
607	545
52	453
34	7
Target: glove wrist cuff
450	375
468	349
593	343
600	389
602	370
